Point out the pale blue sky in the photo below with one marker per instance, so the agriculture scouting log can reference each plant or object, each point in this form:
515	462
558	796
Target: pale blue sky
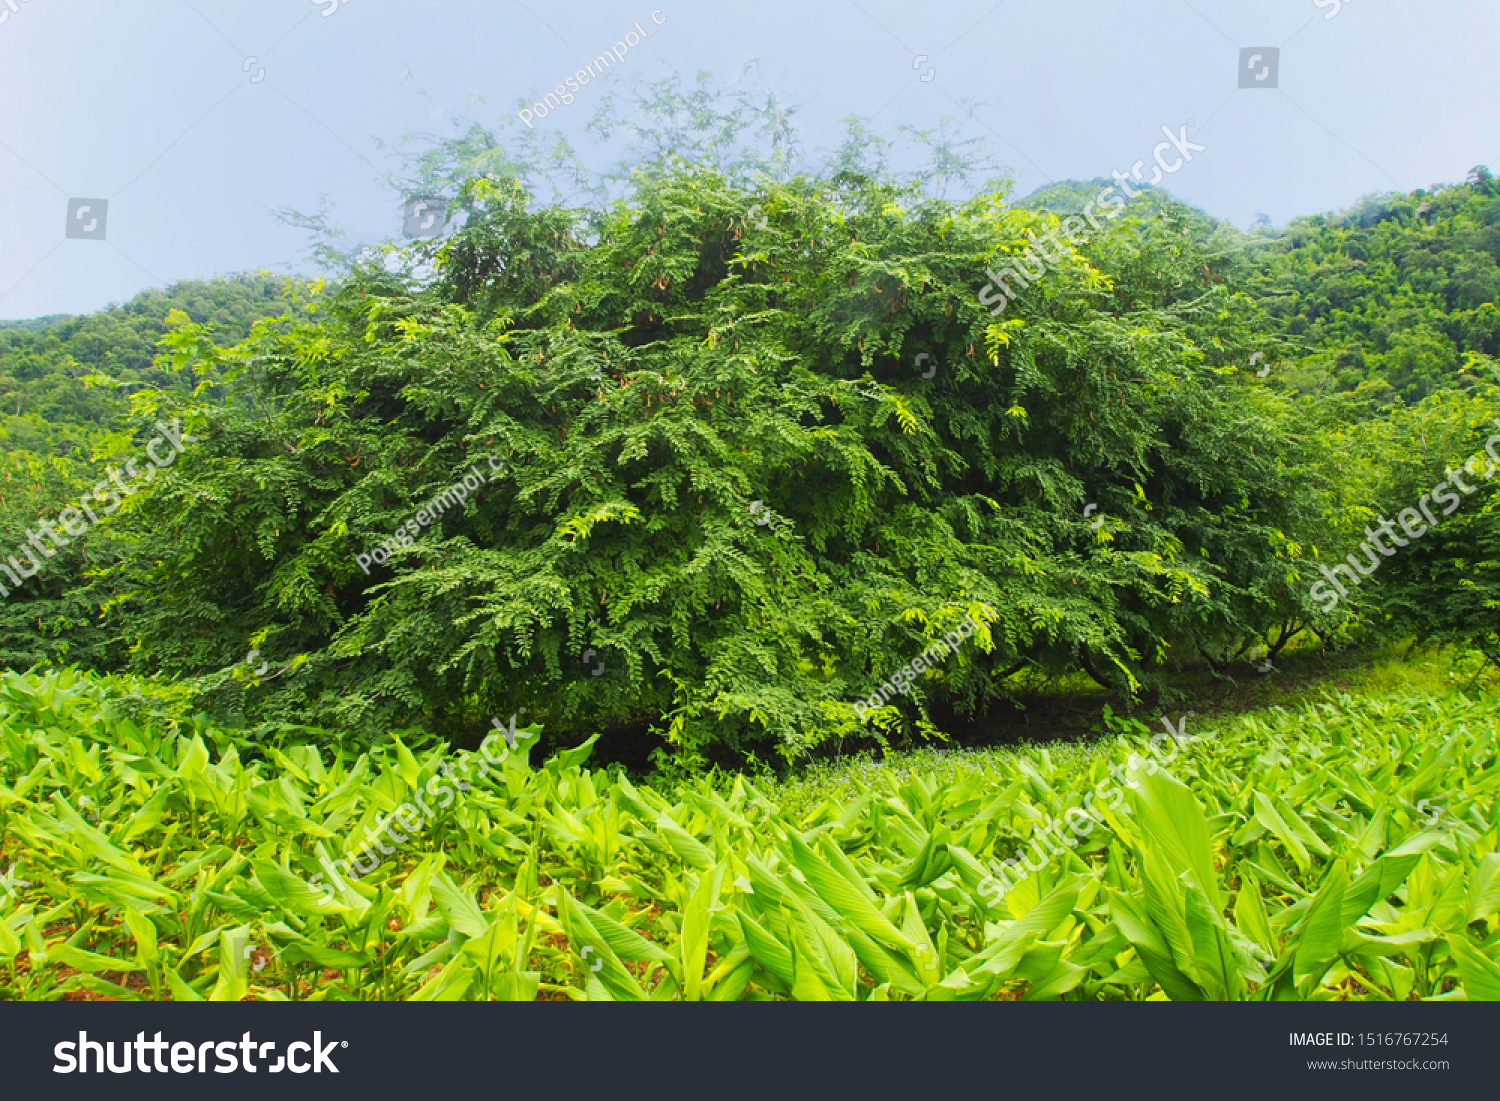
147	103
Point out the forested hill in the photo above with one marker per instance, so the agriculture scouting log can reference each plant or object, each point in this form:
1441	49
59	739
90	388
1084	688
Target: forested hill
45	408
1399	289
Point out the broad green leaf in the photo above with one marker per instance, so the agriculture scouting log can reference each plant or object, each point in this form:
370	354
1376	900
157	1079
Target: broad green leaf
1480	975
1267	816
769	952
1321	932
234	965
1174	821
599	962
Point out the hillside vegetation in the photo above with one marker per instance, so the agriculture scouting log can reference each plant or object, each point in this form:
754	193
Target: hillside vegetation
729	484
1345	850
47	408
760	471
1399	289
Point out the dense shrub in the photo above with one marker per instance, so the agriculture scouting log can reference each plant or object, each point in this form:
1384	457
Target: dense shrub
725	472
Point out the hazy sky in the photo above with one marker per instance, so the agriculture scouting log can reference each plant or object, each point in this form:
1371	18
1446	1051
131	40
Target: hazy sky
153	105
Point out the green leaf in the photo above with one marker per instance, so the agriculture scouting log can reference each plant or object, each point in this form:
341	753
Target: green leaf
697	923
1250	915
1322	930
1484	890
769	952
1173	820
234	965
458	906
600	963
1480	975
848	897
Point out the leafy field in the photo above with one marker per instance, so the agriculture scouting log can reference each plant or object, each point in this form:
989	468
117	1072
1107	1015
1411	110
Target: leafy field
1344	850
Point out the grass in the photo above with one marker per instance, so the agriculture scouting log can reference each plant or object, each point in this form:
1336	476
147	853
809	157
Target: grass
1344	844
1302	678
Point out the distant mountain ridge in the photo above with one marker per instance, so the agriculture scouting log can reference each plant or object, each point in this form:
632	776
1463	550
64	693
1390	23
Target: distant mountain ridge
43	406
1071	196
